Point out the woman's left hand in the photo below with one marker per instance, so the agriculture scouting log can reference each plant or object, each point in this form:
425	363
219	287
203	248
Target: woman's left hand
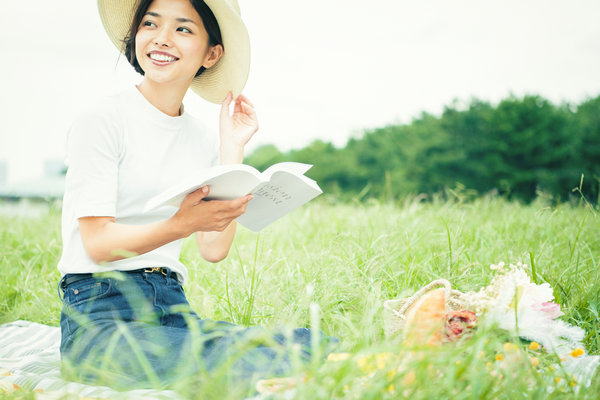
236	129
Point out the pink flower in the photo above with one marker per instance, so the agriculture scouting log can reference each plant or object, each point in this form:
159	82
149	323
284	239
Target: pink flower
552	310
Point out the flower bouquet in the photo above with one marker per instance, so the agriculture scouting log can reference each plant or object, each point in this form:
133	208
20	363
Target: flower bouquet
512	303
512	307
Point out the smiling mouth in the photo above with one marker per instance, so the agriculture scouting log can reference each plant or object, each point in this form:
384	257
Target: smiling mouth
162	58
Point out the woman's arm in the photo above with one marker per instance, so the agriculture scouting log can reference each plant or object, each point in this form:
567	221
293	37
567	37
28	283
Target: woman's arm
235	131
106	240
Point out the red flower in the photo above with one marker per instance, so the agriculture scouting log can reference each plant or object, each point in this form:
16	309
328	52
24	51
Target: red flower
459	323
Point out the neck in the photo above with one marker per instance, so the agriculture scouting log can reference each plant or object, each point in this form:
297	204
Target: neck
166	98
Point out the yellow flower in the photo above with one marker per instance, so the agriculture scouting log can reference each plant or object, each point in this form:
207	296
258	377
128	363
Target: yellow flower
557	379
382	359
373	362
510	346
364	364
338	356
534	346
499	357
534	361
577	352
481	354
392	389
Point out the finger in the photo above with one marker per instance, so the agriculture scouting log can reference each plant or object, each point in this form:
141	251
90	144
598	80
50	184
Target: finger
237	211
247	106
249	110
245	99
196	196
243	209
236	207
251	116
238	105
238	203
225	104
245	199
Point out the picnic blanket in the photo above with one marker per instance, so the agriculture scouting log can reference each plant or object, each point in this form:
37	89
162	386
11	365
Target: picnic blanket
31	352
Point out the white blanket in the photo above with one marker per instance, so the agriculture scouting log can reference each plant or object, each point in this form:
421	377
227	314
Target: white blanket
31	352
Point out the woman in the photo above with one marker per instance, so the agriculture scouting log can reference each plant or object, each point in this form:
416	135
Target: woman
126	321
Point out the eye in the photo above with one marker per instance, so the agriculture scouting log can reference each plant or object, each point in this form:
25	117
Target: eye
148	23
184	29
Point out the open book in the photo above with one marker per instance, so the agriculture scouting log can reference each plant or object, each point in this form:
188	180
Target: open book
278	190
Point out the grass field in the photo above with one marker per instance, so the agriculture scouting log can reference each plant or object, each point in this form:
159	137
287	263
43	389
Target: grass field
342	261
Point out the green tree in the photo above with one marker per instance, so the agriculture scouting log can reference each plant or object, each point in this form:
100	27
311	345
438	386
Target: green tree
535	146
587	124
518	147
264	156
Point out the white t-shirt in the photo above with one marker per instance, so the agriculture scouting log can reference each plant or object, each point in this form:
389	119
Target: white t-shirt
121	153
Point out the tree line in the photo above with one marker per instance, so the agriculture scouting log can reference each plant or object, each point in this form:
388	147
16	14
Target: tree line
519	148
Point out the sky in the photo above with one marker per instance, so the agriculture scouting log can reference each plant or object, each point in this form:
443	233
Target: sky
321	69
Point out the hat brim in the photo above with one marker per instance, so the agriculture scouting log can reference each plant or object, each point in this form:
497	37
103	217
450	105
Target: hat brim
230	73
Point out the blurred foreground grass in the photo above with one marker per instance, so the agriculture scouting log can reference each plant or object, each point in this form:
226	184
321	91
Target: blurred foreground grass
348	259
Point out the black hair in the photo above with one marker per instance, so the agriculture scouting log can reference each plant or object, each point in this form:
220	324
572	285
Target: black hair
206	15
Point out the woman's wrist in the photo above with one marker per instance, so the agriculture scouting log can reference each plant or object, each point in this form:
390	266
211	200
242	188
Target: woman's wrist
231	154
177	227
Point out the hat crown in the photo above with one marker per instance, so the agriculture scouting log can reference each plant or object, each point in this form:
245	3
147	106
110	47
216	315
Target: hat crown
236	6
231	4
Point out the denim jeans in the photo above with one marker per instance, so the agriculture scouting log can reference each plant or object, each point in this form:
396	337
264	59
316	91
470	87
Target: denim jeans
136	329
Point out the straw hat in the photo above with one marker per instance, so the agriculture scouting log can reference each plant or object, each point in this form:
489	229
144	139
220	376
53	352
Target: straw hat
228	74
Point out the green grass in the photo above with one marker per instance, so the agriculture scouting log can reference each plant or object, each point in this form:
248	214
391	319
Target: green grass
345	260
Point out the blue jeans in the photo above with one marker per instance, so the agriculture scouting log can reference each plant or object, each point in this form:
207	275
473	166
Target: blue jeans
136	329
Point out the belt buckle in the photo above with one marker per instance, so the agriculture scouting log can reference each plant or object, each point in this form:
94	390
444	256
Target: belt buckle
156	269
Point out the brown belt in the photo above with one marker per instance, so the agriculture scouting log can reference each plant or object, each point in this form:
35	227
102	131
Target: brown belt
72	278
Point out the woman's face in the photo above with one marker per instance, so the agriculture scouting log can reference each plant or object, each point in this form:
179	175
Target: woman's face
171	43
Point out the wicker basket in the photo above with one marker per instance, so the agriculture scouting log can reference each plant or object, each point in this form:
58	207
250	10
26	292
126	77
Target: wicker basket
394	311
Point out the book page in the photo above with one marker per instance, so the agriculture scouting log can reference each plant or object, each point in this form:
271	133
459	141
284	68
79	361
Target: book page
286	190
295	168
231	185
225	182
272	200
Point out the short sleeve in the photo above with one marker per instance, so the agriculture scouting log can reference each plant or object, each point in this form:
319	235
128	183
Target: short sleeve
92	157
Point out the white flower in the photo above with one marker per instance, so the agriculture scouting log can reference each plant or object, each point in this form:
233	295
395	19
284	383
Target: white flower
524	308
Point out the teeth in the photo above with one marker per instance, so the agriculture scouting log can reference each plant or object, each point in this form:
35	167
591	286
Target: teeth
161	57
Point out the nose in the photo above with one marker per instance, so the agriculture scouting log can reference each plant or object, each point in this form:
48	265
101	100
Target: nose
162	38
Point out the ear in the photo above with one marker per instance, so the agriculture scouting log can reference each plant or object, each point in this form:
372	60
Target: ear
213	55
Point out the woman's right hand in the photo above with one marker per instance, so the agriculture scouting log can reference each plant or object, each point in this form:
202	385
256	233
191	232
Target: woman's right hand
107	240
198	215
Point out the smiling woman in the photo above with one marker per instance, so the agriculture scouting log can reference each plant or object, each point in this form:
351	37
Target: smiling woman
170	45
126	320
193	33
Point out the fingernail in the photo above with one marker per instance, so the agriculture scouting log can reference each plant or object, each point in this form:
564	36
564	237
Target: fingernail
205	189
